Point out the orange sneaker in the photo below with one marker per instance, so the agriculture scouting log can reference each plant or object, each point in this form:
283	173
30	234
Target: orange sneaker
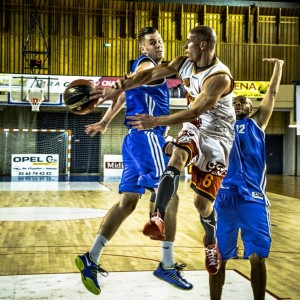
155	228
213	259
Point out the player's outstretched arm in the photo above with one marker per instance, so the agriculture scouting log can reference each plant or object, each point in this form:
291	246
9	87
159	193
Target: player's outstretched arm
138	79
264	112
214	88
101	126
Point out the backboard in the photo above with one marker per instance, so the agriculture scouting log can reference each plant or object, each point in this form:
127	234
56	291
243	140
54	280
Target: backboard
23	88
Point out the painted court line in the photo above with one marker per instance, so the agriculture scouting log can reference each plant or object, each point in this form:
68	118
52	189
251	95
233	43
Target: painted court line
120	286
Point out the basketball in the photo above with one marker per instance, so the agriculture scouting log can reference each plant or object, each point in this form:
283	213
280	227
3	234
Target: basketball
76	97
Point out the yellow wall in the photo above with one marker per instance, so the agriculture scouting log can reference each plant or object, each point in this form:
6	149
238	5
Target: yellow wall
75	33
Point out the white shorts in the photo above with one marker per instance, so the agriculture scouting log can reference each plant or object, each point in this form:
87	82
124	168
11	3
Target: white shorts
209	153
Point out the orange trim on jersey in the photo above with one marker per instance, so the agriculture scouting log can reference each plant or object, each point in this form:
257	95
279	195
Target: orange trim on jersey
202	192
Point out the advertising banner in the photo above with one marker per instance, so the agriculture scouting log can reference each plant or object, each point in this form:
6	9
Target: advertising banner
22	86
112	165
34	165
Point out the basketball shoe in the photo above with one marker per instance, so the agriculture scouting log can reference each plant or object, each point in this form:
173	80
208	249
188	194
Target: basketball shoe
213	258
89	270
155	228
173	276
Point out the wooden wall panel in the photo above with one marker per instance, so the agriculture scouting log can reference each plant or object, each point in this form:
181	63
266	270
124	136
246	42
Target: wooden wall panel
236	29
76	32
189	22
289	31
267	30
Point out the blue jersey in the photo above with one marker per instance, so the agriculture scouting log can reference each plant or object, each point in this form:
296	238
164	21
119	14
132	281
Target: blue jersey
147	99
142	151
247	163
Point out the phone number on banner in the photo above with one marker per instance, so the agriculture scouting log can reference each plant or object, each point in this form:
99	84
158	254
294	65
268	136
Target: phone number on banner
27	173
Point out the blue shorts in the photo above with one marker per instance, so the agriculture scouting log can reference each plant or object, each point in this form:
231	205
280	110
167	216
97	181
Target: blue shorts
143	161
234	213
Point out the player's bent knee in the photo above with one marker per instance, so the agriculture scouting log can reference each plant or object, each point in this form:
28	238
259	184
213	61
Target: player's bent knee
256	259
180	155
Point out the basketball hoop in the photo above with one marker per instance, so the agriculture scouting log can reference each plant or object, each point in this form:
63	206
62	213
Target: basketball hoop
35	101
35	104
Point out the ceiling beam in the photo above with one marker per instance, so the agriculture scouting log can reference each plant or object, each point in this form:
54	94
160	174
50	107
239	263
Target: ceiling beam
273	4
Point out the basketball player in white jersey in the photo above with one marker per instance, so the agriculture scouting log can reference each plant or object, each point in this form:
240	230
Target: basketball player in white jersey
241	202
207	135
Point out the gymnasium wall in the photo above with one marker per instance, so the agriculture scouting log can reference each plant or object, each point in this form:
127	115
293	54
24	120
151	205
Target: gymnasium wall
98	38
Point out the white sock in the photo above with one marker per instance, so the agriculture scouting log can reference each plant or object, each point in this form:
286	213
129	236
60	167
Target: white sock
97	248
167	254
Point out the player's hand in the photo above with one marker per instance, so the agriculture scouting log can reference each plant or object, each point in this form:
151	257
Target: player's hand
118	84
274	60
93	129
105	94
141	121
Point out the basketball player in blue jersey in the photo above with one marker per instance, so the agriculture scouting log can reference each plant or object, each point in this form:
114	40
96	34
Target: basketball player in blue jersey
143	162
241	202
206	138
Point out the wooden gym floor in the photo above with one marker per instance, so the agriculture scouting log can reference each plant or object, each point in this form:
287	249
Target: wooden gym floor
48	245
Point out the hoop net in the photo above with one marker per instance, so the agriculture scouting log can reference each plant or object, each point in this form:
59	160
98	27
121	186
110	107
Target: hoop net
35	101
35	104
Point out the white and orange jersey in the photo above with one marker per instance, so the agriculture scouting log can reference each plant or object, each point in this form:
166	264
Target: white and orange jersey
219	121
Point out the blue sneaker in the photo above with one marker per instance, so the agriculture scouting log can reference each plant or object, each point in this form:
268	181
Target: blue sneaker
89	270
172	275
